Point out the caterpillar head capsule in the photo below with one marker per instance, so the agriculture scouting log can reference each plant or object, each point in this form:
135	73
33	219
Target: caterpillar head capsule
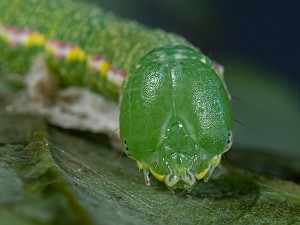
176	120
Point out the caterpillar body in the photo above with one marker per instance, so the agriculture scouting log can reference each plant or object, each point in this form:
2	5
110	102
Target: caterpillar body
175	117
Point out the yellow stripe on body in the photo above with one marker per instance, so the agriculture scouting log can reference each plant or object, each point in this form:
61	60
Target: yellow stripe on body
76	54
35	39
103	69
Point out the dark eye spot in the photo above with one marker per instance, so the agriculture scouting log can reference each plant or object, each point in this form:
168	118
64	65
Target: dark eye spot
229	134
125	142
228	141
127	149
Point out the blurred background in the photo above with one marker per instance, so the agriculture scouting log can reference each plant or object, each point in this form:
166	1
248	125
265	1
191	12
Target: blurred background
265	32
258	44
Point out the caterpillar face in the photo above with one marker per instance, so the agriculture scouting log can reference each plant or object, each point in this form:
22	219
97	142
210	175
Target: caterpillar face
176	118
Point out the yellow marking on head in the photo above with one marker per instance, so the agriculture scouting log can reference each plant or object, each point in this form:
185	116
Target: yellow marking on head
202	174
157	176
104	67
35	39
215	161
76	54
142	166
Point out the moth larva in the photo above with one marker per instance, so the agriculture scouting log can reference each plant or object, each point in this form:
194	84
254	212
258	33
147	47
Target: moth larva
175	120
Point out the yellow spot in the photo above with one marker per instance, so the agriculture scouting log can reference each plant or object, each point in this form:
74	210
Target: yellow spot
215	161
76	54
141	165
157	176
104	67
202	174
35	39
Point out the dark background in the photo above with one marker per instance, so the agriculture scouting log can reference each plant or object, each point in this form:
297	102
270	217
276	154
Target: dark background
266	33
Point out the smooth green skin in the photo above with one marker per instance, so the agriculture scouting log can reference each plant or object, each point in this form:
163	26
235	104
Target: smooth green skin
175	113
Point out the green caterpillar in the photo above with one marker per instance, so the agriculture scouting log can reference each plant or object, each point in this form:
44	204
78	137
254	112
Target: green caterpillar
176	119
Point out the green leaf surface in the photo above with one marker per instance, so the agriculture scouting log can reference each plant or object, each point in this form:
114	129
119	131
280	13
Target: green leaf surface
32	188
50	176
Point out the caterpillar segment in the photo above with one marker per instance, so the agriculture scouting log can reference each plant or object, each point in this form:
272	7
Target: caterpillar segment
70	62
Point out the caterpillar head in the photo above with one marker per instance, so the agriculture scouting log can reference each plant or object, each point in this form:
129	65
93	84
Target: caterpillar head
176	118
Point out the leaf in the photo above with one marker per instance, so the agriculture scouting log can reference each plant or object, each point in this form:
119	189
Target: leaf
32	189
70	179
